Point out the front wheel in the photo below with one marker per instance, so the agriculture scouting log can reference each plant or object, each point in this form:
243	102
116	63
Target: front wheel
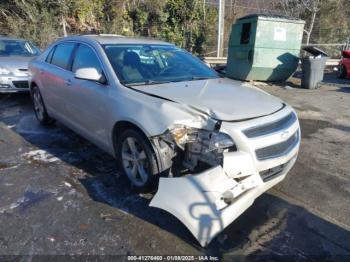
137	160
39	108
342	72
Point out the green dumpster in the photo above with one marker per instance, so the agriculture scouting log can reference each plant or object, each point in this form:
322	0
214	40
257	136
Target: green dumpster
264	48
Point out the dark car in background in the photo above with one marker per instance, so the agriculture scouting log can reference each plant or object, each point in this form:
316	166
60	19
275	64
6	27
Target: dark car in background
344	64
15	55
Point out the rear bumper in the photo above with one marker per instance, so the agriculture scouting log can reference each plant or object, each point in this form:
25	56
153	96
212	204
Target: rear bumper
14	84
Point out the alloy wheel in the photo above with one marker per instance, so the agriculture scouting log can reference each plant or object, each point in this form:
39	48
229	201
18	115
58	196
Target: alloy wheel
38	105
135	161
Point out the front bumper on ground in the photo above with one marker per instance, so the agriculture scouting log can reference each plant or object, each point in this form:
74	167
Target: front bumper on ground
14	84
208	202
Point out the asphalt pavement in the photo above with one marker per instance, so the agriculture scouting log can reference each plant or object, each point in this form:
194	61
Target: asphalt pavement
61	195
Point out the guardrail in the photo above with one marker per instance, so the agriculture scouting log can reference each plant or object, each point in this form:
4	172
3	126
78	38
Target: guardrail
223	60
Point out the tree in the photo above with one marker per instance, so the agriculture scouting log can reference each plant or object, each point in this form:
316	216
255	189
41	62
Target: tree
313	6
306	9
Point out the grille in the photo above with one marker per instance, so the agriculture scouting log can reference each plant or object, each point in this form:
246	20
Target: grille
21	84
269	128
271	173
279	149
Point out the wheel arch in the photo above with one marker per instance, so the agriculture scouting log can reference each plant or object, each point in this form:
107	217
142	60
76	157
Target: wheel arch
120	126
32	85
123	125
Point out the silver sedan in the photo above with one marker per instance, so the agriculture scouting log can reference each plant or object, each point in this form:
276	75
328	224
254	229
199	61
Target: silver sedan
15	55
163	113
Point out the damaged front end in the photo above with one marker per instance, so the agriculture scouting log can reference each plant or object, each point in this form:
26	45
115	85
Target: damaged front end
195	146
209	201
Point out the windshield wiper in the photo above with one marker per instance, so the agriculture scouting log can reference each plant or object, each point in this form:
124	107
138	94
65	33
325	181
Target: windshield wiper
155	82
147	82
201	78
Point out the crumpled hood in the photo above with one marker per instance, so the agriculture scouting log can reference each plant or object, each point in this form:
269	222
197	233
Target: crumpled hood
14	63
222	99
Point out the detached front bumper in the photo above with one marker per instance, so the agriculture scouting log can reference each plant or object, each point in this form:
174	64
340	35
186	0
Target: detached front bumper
14	84
208	202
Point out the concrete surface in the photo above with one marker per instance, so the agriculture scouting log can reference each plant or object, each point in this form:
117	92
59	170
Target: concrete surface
59	194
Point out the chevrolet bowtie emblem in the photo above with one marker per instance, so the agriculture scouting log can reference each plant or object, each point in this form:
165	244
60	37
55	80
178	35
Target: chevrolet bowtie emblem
285	134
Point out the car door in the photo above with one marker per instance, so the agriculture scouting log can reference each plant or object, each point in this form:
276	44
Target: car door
54	78
88	99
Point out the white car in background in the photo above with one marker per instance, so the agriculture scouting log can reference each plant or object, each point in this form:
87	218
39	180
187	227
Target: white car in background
15	55
215	143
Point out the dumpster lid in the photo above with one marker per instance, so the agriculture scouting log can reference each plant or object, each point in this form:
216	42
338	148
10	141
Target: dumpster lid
314	51
256	15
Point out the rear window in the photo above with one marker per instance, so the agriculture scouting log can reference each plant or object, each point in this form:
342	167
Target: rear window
62	54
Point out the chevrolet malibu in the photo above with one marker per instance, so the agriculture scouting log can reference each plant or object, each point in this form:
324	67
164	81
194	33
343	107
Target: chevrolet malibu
15	55
212	145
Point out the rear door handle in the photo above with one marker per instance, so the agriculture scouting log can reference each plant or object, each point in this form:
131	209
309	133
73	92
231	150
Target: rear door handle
41	71
68	82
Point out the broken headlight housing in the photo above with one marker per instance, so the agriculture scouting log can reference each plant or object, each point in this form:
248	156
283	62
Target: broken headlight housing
201	145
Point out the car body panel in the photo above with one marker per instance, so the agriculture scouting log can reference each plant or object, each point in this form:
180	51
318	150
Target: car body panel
223	99
83	96
199	204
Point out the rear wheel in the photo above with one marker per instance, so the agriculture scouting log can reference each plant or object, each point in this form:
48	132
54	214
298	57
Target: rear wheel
342	72
39	108
137	160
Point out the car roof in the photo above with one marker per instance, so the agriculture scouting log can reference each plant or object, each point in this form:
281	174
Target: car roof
104	39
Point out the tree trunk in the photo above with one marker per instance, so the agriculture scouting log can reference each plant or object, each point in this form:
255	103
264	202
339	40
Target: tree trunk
64	26
312	22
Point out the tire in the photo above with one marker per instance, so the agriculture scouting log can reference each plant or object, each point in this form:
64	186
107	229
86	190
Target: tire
342	72
39	108
137	160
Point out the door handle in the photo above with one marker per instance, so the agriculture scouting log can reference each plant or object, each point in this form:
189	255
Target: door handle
68	82
41	71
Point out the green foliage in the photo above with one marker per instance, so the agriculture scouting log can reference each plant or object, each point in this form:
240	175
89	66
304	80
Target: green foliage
187	23
31	21
332	28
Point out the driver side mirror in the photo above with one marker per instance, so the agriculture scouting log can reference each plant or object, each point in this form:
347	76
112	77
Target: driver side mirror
91	74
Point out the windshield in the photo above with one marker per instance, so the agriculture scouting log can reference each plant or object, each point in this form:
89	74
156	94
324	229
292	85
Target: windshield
17	48
152	64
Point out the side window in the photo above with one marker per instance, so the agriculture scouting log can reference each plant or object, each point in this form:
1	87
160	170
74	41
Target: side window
49	57
62	55
85	57
245	35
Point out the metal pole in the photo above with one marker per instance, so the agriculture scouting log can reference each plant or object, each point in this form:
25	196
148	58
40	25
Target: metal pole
221	25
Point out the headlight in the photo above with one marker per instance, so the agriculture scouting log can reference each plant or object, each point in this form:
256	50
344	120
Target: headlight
212	140
4	71
220	141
